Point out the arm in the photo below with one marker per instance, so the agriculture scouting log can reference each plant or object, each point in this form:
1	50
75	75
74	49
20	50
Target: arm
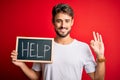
31	74
98	47
99	73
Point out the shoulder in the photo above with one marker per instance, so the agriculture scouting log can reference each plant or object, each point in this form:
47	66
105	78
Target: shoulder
82	46
80	43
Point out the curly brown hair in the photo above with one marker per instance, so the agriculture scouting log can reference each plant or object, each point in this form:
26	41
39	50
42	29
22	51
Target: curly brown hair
65	8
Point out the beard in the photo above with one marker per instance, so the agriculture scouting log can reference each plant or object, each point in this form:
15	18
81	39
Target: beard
62	34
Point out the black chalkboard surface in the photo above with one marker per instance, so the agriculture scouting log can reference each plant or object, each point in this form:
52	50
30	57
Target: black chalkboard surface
32	49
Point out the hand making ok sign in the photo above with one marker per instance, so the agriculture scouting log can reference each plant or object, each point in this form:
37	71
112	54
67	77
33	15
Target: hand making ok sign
97	45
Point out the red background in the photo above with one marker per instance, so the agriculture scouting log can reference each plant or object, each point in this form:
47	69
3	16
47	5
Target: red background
33	18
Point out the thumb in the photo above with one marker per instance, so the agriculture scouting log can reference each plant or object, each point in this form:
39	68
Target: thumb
92	43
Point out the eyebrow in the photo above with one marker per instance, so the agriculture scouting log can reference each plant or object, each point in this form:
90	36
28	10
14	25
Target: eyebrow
61	19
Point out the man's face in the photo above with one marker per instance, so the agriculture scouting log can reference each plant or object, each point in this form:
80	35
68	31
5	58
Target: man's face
63	23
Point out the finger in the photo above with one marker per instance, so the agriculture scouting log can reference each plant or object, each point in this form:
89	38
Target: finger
94	36
101	38
98	36
13	56
13	61
92	43
13	52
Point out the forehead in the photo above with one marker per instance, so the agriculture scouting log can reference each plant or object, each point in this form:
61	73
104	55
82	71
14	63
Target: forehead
62	16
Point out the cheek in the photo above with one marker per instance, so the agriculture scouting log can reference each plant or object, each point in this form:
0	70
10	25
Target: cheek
57	25
69	25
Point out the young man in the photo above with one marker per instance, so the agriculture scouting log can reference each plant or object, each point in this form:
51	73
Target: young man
70	55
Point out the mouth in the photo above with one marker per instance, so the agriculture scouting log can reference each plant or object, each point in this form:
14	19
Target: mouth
63	29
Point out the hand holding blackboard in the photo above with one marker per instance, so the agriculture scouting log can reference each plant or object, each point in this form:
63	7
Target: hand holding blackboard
32	49
14	61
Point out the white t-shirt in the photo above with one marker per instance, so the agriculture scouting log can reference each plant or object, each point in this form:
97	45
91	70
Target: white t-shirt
68	62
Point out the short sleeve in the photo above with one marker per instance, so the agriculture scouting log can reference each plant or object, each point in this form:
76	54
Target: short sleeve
90	67
90	63
36	67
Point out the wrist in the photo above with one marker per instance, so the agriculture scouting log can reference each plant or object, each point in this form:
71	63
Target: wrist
100	59
22	65
100	56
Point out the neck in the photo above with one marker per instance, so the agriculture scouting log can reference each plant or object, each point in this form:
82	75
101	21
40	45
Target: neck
63	40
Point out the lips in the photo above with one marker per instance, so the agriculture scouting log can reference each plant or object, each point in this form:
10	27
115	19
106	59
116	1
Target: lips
62	29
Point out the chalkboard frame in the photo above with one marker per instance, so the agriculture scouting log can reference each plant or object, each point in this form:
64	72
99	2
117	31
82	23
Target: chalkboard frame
35	38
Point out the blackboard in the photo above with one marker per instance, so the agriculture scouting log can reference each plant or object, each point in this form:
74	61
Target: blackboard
32	49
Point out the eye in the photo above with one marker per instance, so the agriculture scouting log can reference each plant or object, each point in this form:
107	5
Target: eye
58	20
67	20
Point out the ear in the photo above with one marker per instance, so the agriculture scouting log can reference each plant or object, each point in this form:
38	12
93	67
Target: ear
72	22
53	22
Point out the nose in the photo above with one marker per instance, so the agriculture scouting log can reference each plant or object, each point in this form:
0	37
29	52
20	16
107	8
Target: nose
63	24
